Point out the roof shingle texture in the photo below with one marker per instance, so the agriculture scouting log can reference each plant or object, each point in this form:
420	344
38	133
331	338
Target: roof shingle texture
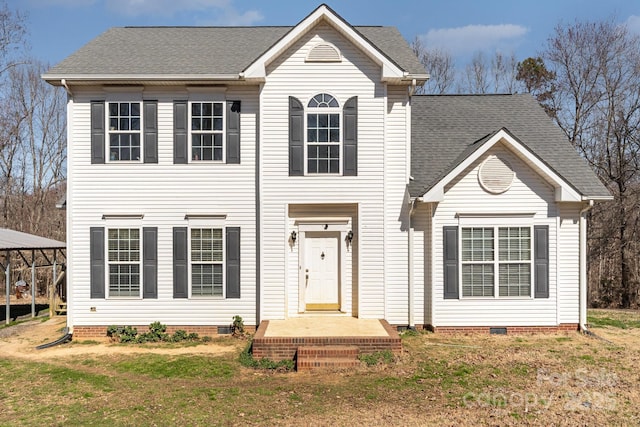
201	50
447	128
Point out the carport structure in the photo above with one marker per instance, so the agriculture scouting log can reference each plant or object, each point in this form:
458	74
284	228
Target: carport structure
15	243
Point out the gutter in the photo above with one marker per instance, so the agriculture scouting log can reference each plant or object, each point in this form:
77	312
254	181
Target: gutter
412	207
583	268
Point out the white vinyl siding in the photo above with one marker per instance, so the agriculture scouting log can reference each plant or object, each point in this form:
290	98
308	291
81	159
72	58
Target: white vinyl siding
357	75
164	193
529	200
569	259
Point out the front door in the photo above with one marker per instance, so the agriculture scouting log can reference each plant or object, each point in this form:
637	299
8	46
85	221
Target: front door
321	271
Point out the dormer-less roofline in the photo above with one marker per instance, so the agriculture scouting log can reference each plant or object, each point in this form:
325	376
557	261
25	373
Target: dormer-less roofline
390	70
564	191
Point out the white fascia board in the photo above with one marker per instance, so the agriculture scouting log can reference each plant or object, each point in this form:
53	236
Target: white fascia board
101	78
564	191
257	68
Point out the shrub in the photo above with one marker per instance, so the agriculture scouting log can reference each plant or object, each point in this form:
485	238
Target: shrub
247	360
380	357
237	327
157	333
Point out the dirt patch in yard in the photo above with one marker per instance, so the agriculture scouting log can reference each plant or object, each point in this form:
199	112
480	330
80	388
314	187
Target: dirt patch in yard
21	340
460	380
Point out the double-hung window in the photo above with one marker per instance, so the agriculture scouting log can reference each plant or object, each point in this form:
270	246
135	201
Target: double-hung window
207	262
207	131
124	120
496	259
323	135
123	247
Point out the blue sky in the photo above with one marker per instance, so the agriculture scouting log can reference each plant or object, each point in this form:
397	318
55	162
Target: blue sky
59	27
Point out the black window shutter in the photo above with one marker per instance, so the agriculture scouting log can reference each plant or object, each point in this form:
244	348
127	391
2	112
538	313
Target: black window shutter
97	260
180	260
97	132
150	131
450	262
180	132
350	140
296	137
541	261
233	262
150	262
233	132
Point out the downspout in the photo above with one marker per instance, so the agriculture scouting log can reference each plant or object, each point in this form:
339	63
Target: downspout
412	88
66	87
411	268
583	267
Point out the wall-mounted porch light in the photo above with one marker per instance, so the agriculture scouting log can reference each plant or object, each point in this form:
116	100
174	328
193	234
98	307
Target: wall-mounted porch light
350	236
294	236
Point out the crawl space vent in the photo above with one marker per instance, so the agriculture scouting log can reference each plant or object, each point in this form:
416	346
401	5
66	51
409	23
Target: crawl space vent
324	52
495	175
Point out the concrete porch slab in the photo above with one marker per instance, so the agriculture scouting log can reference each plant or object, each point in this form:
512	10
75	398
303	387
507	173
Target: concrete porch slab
325	327
281	339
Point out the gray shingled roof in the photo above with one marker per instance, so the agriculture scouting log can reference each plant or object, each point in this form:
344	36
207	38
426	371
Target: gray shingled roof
201	50
448	128
17	240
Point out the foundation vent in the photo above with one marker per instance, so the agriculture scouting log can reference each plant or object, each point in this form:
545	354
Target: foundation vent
495	175
324	52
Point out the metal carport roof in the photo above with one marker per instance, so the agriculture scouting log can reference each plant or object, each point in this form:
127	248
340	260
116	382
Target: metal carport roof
17	240
10	241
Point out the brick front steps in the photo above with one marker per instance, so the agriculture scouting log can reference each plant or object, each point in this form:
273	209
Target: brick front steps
283	348
311	358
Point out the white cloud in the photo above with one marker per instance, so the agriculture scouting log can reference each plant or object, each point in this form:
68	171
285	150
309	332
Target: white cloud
162	7
63	3
205	12
633	24
465	40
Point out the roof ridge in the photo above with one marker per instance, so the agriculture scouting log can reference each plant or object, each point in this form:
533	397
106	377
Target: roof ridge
234	26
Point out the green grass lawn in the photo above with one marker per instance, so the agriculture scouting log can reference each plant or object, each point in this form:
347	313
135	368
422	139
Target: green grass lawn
438	380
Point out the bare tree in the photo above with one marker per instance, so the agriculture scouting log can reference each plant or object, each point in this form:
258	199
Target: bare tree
440	66
476	76
41	137
596	102
504	70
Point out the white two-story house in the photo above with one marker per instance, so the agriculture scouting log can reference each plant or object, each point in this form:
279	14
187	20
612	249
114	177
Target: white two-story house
277	172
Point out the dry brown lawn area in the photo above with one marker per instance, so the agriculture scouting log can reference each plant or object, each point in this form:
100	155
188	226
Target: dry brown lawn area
438	380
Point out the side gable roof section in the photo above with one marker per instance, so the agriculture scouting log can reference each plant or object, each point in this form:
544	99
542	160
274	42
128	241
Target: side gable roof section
390	69
168	55
448	132
564	191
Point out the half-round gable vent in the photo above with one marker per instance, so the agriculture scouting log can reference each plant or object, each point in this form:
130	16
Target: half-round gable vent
495	175
324	52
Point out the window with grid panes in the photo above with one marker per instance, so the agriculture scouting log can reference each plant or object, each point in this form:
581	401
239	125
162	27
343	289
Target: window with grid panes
207	127
323	135
123	248
124	131
207	261
482	271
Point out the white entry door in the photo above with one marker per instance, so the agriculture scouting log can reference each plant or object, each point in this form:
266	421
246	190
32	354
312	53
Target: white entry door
321	272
